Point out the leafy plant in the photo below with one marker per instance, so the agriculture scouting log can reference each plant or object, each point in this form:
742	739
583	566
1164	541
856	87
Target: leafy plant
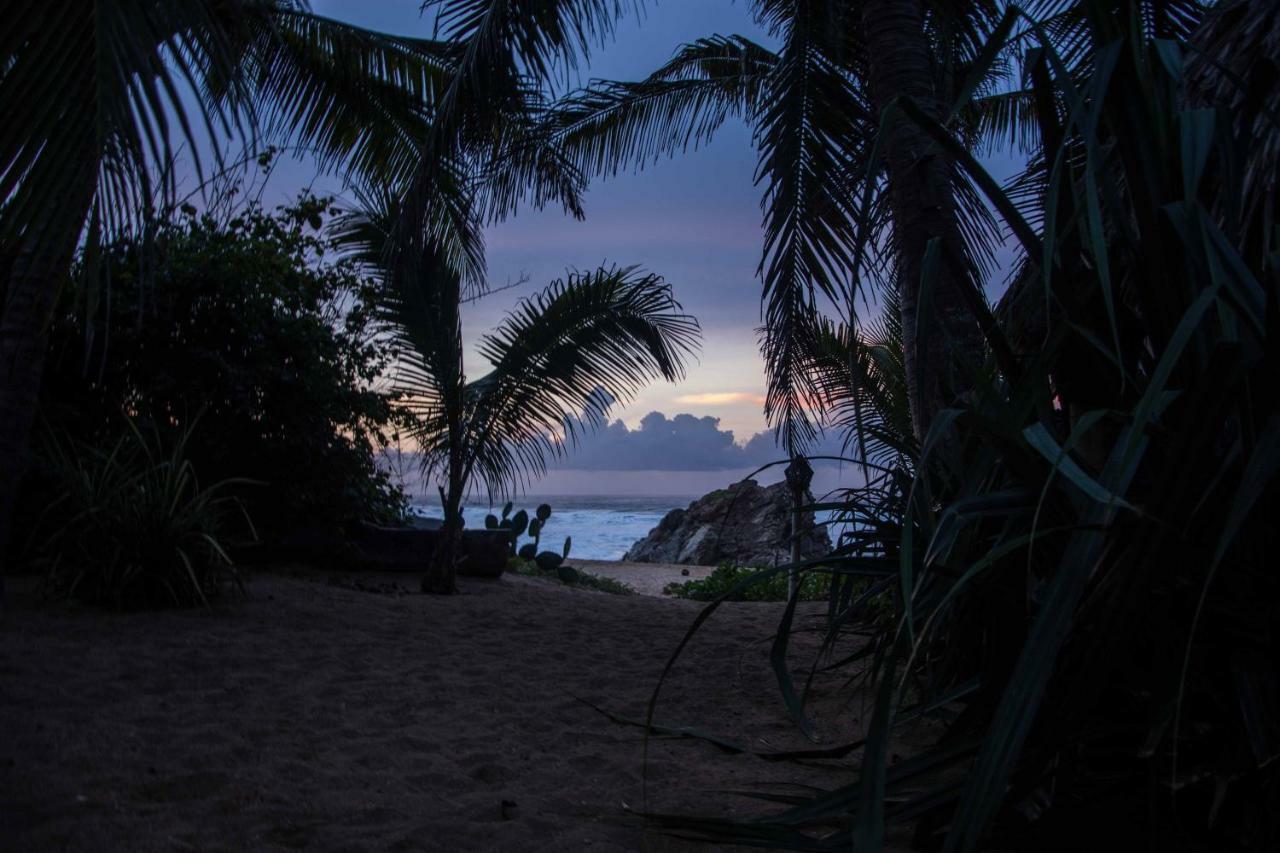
572	577
729	580
246	319
840	170
131	526
582	343
517	524
95	102
1078	552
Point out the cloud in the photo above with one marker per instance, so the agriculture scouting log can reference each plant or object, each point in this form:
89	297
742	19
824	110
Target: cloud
683	442
721	398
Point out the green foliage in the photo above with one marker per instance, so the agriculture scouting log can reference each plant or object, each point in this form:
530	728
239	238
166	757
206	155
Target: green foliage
577	346
814	585
1078	549
521	522
247	322
815	121
130	526
570	576
97	101
517	524
548	561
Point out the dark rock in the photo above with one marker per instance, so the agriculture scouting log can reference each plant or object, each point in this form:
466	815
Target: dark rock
746	524
411	549
372	547
394	548
485	553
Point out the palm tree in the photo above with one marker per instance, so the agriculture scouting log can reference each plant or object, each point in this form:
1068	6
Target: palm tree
91	92
861	375
851	186
557	363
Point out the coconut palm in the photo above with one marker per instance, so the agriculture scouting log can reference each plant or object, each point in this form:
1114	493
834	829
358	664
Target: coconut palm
862	379
98	98
557	362
851	186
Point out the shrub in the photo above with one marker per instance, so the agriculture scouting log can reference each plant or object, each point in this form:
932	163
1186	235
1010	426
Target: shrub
814	586
131	526
1078	553
569	577
246	321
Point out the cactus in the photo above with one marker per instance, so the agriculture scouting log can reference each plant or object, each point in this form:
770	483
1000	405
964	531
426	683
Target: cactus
548	561
519	523
515	523
568	574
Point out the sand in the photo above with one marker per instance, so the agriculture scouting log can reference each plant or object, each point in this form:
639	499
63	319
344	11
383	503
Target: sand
319	716
644	578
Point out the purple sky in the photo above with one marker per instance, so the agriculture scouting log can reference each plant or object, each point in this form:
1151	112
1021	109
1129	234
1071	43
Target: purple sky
694	220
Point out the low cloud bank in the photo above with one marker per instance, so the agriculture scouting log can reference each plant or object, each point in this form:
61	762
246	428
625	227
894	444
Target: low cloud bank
679	443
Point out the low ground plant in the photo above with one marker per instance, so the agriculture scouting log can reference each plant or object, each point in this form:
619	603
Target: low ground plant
730	580
130	526
569	576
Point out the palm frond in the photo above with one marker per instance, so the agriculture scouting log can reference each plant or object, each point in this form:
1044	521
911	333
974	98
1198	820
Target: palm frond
614	125
814	135
562	357
360	98
861	375
418	305
89	93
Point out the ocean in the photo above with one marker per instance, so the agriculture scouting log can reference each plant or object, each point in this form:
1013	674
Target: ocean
603	527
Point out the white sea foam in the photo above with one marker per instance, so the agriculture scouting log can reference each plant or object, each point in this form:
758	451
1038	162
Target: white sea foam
602	527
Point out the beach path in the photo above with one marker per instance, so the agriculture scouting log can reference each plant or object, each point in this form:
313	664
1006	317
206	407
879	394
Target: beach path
644	578
316	715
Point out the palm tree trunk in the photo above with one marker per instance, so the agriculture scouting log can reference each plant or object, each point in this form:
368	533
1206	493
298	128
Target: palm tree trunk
29	299
41	263
442	574
923	206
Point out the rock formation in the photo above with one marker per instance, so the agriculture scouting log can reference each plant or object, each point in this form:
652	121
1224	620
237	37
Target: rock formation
746	524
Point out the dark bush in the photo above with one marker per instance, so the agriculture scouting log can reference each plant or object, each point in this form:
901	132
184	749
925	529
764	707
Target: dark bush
131	526
814	586
250	324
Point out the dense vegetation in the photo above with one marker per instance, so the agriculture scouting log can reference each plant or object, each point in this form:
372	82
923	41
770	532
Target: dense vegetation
100	99
249	324
1077	541
743	583
1065	497
129	525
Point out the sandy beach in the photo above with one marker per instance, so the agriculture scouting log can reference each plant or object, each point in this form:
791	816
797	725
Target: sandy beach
317	715
644	578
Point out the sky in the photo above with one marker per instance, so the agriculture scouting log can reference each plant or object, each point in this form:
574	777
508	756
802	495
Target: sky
695	220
